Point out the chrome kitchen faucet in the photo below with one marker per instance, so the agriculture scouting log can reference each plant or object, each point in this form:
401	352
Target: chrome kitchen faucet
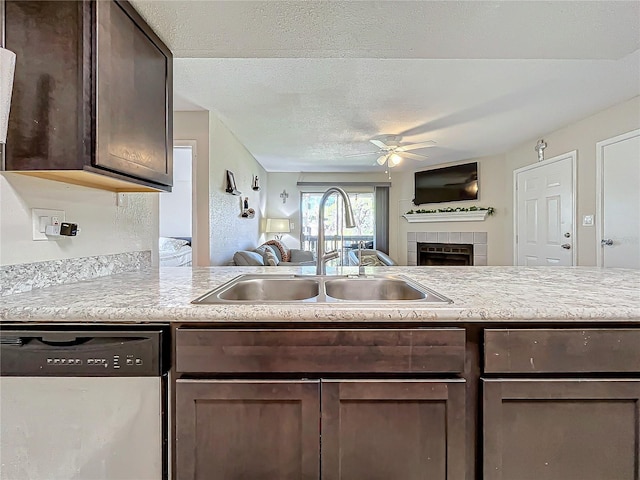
349	222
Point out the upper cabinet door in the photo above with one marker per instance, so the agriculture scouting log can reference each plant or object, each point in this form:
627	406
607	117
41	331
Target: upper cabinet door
134	95
47	122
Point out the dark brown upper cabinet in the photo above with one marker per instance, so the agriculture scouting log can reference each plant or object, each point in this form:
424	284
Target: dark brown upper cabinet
92	97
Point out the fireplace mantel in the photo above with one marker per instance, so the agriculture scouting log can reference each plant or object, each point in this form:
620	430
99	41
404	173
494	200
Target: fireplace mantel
475	216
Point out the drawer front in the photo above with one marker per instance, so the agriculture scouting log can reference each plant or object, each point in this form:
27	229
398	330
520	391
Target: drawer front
562	351
300	351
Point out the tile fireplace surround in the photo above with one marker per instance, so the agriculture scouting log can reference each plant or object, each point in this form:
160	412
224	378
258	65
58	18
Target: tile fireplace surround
477	239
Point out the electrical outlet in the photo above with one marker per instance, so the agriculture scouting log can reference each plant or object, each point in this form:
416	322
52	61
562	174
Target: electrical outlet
41	218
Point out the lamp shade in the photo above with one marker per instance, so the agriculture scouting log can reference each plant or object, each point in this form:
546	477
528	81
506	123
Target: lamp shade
277	225
7	67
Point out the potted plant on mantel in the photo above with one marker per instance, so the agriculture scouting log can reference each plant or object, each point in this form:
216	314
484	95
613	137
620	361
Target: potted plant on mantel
449	214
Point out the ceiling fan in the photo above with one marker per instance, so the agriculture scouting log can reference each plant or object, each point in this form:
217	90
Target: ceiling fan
391	152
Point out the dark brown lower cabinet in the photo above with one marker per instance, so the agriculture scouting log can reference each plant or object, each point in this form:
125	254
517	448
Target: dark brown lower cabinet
393	430
251	430
329	429
561	429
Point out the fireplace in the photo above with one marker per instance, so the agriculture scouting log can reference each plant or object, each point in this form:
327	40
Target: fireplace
478	241
445	254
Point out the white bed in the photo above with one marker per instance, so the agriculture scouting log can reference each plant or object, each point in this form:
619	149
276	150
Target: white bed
175	252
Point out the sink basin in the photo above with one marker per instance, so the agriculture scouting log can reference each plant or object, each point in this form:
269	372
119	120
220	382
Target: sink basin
366	289
266	288
263	288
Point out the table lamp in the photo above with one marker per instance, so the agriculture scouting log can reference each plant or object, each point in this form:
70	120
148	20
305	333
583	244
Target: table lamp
278	226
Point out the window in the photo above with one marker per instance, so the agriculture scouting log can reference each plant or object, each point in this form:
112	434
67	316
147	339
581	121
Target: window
337	236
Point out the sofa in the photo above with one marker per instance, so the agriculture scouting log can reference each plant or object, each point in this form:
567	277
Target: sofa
273	253
370	258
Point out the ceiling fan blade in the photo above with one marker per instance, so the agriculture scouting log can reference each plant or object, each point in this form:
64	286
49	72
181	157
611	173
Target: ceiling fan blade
379	144
382	159
413	156
416	146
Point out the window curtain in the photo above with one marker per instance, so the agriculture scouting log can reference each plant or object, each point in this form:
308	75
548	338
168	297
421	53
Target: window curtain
381	195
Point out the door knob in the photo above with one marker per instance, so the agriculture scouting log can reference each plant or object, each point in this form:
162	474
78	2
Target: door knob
606	241
566	246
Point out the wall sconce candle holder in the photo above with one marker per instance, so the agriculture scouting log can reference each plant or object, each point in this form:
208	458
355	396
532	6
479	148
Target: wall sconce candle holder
246	211
231	184
284	195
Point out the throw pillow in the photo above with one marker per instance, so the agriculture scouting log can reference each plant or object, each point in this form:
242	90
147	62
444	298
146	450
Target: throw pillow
282	249
272	260
371	261
248	258
263	249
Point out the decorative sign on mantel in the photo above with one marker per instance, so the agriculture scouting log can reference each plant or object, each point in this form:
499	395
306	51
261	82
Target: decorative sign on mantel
470	214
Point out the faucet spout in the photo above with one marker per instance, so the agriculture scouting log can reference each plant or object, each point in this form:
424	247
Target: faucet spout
349	221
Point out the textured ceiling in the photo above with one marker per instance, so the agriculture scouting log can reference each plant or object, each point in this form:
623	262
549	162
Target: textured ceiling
302	84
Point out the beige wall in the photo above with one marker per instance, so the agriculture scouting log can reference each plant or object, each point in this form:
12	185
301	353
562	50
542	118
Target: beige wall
105	227
229	231
581	136
194	127
492	191
291	209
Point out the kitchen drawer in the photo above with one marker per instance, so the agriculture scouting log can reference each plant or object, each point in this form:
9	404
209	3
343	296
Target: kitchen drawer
309	351
562	350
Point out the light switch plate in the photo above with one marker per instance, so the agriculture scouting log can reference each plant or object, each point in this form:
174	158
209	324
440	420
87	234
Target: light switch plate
121	199
587	220
40	218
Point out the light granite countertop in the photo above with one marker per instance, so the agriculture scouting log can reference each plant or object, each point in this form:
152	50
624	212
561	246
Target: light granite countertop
479	294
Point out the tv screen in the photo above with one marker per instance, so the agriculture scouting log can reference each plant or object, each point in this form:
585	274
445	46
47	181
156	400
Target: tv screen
448	184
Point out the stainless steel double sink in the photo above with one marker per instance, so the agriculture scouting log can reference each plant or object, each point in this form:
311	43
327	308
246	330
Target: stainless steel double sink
257	289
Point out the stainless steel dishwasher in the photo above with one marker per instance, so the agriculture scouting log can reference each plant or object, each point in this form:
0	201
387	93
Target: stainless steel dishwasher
83	404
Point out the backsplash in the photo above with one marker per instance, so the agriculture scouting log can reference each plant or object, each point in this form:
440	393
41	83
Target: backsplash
28	276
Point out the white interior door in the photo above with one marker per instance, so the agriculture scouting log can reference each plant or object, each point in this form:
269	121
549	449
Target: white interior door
618	209
544	206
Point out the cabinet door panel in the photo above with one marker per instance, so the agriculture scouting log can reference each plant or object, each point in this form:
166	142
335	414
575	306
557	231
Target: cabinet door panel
46	123
367	351
259	430
567	350
561	429
134	73
405	430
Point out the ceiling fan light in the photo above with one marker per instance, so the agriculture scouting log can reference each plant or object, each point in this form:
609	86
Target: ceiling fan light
395	159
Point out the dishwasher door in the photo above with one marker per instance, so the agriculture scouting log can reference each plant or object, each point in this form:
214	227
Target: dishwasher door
83	404
80	428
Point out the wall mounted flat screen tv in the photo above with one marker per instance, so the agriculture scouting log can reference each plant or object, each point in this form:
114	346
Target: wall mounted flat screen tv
448	184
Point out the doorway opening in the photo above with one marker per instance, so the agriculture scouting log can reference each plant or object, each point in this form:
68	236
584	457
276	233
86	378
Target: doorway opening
176	212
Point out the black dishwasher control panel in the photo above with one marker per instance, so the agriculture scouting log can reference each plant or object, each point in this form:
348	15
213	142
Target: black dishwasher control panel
126	353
